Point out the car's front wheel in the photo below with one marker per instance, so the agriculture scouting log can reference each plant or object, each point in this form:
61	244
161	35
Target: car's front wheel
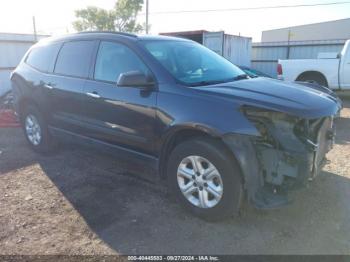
205	178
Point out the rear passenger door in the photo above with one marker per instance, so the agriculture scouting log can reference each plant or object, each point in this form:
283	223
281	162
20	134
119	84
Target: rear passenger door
116	114
41	60
67	84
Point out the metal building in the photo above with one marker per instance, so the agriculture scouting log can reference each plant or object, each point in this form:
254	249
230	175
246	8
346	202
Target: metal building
12	49
236	49
299	42
330	30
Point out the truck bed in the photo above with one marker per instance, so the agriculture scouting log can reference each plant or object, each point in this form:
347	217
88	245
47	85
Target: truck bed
293	68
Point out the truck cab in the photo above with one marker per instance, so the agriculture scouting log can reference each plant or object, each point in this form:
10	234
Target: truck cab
344	67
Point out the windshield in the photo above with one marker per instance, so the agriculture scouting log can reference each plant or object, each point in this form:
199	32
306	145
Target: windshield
192	63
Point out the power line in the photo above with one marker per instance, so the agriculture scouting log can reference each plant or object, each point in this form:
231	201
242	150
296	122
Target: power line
246	8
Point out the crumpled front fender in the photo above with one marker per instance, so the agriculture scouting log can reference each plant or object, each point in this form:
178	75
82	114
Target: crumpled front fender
245	153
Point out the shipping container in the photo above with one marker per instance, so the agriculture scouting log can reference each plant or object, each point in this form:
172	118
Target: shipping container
236	49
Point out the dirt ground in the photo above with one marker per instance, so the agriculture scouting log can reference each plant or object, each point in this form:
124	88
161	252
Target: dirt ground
84	202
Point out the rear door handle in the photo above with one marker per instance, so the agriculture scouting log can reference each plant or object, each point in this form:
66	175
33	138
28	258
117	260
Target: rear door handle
93	95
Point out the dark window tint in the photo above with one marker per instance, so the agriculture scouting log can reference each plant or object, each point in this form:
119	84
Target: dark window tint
42	57
74	58
114	59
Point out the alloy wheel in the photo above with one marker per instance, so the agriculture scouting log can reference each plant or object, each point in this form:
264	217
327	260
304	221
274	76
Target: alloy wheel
33	130
200	181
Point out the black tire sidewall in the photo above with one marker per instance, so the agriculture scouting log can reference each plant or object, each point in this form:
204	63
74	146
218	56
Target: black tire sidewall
219	156
318	79
45	144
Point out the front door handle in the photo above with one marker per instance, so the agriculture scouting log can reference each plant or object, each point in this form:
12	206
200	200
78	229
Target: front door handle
48	86
93	95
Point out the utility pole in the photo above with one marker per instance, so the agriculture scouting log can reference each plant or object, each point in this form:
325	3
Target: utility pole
34	30
147	17
288	47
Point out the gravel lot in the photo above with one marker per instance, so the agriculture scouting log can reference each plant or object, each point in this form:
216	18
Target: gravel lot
79	202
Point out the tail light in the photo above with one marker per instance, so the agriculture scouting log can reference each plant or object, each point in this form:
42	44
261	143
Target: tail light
279	69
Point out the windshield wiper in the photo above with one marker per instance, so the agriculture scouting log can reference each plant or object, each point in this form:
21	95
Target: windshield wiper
205	83
213	82
240	77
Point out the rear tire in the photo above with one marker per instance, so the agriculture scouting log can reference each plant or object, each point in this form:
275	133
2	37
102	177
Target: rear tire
313	78
36	130
196	193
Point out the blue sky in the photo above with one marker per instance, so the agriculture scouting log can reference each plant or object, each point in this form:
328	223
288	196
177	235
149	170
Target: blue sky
55	16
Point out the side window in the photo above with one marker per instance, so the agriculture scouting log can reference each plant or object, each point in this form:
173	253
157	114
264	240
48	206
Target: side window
74	58
42	57
163	55
114	59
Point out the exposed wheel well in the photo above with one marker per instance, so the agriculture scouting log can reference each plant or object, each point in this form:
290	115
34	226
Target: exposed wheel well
23	104
180	137
315	76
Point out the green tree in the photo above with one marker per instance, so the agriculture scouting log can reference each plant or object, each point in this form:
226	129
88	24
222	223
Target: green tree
94	18
122	18
126	13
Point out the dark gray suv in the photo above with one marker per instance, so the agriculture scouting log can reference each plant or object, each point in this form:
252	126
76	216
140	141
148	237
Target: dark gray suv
173	105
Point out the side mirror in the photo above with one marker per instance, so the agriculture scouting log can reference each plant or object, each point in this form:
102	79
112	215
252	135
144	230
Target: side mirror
135	79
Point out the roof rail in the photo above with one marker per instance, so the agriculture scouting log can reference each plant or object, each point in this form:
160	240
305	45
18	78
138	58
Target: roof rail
108	32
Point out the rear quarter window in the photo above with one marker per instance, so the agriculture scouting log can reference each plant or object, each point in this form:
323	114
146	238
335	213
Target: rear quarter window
74	59
43	57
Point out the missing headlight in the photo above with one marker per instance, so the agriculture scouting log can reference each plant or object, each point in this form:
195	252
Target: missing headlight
273	126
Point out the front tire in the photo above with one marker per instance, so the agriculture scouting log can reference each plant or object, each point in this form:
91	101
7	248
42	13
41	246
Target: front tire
205	178
36	130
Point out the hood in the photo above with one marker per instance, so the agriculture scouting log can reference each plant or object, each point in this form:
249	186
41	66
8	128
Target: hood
290	98
324	89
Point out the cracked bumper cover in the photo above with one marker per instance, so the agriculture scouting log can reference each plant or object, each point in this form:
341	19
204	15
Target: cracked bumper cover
269	172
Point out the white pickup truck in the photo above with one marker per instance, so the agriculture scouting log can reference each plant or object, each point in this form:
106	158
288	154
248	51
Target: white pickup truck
330	69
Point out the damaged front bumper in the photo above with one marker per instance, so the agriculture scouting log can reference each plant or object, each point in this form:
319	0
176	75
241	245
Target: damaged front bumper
289	153
299	158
